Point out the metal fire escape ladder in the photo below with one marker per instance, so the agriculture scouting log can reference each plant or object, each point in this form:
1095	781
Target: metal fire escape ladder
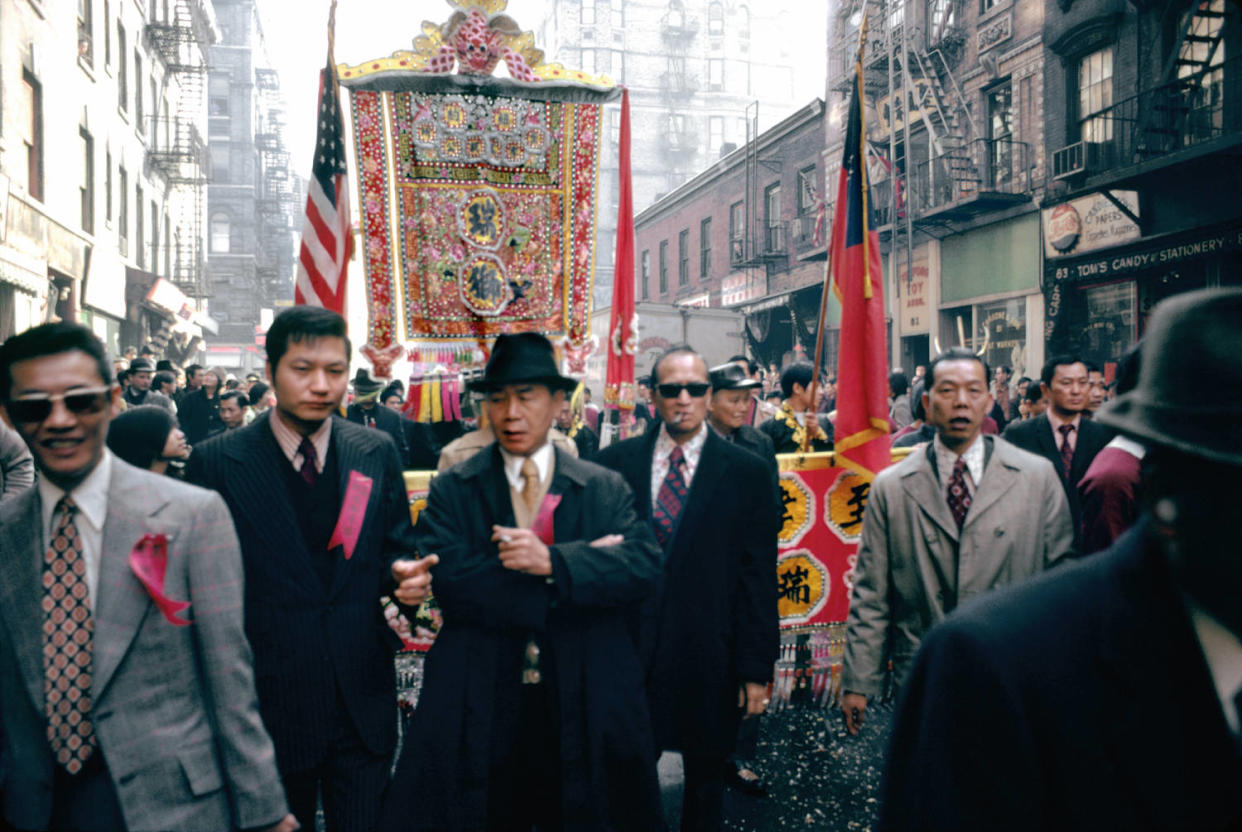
951	141
1201	34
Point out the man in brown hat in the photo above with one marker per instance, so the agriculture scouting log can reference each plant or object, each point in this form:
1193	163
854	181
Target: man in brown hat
414	441
1105	695
532	713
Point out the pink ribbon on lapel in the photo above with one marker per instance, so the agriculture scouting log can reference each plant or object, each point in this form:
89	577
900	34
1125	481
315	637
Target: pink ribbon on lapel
543	526
149	563
353	510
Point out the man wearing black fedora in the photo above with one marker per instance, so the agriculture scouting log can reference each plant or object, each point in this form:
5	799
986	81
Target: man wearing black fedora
1105	695
414	441
532	711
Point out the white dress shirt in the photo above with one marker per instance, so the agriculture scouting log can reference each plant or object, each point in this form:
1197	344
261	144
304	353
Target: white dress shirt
91	498
1056	429
543	458
947	459
290	440
1223	653
691	451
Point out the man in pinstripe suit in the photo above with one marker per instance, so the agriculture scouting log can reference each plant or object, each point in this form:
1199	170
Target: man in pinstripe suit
119	709
321	510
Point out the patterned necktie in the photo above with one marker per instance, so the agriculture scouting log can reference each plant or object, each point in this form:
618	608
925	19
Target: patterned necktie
67	644
1067	450
309	472
672	497
959	494
530	483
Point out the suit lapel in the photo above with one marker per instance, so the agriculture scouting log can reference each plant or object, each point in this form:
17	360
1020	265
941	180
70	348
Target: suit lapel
349	458
997	479
122	603
1048	444
257	479
707	476
642	477
21	592
921	484
567	520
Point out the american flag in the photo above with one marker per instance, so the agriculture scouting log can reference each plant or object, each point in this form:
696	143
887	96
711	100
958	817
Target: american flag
326	241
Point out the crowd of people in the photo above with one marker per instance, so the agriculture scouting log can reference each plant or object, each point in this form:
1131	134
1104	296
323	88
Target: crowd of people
191	636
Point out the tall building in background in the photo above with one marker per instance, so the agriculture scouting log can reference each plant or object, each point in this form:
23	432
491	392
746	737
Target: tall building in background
252	199
103	169
694	69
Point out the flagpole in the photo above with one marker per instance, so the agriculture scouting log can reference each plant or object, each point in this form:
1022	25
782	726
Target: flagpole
823	297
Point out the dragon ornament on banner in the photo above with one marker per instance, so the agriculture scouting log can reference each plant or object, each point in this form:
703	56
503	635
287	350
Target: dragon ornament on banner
477	193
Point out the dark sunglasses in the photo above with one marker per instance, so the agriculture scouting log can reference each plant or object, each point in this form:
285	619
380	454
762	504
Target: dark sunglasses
37	409
697	390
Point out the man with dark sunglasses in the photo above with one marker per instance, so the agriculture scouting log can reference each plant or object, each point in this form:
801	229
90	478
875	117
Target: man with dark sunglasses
708	634
127	696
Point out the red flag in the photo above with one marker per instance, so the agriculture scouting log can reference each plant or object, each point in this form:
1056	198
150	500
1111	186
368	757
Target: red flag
862	427
326	240
623	326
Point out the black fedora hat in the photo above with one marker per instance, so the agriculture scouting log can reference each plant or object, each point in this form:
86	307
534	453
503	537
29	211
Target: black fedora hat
731	377
1193	344
525	357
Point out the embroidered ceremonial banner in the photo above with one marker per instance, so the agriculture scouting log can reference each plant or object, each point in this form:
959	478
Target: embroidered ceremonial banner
477	205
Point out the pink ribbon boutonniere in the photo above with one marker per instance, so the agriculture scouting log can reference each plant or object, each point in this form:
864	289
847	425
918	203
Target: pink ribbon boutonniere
149	563
543	525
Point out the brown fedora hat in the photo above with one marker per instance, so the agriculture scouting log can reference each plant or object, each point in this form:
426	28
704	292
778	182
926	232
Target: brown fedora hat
1189	393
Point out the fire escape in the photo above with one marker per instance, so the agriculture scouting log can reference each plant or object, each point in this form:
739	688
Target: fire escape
679	141
178	149
760	240
274	204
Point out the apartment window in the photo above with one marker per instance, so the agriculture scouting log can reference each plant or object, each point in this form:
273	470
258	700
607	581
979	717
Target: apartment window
122	71
220	162
943	15
586	13
155	237
122	213
1000	132
663	266
586	62
31	127
986	6
1095	93
772	205
86	48
676	14
87	187
645	284
705	248
617	14
603	61
107	30
140	253
715	19
715	133
614	125
618	65
220	233
737	231
167	241
683	257
138	111
715	73
108	187
808	194
155	115
743	20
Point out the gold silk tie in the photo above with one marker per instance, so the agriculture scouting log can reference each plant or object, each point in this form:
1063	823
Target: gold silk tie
530	483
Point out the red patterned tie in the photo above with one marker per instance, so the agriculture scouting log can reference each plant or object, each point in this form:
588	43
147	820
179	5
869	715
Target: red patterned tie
671	499
309	471
959	494
1067	450
67	645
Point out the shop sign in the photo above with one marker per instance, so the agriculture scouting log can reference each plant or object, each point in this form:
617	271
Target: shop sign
166	296
702	301
742	287
105	285
1157	253
916	313
66	251
1088	224
770	303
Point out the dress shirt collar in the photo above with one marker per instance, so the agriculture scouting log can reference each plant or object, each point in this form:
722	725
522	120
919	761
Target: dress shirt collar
1223	653
543	458
1056	421
946	459
90	495
691	449
289	441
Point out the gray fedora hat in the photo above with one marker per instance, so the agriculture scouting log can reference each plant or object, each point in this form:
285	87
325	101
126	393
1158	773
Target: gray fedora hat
1189	393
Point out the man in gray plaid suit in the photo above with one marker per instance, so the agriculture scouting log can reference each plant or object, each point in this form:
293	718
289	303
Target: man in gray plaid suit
127	698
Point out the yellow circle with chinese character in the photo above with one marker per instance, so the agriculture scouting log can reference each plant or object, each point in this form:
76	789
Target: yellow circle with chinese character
797	509
802	585
844	505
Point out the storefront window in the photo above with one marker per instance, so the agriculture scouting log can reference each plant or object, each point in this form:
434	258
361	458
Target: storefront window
1110	320
1002	334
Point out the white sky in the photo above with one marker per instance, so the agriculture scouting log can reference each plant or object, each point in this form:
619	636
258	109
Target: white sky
297	42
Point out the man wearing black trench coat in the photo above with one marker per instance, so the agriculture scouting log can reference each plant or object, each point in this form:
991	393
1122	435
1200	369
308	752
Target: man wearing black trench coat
532	710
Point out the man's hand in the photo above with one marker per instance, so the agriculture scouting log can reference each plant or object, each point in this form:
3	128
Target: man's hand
413	579
288	824
854	707
753	697
607	540
522	551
